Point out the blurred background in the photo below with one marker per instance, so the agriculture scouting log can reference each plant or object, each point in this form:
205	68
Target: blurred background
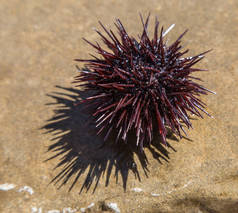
39	41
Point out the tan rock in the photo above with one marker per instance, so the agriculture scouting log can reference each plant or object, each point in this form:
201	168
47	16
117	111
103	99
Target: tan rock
40	39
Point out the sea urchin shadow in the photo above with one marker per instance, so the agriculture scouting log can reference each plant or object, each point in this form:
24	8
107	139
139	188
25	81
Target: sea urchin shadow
79	149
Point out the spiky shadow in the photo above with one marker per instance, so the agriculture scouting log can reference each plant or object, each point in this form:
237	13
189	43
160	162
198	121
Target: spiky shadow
80	150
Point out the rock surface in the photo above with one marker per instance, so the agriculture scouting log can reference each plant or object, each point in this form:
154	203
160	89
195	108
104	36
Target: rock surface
39	40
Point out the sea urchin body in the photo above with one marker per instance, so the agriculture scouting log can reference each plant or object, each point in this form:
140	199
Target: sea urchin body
143	85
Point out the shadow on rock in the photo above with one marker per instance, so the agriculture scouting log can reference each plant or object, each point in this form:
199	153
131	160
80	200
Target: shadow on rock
208	205
80	150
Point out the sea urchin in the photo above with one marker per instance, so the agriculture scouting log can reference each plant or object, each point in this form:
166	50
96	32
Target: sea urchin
142	86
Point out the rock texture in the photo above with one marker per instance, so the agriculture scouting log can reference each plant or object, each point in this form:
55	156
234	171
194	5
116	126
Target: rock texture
39	40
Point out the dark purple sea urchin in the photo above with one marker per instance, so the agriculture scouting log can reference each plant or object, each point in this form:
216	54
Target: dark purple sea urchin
142	85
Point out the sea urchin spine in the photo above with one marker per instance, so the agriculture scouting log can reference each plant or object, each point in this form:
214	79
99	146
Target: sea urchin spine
142	85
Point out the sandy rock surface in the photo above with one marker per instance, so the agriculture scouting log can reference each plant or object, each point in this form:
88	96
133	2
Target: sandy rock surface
39	40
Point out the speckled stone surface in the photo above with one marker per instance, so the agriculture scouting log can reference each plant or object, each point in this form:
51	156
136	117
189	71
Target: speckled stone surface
40	39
